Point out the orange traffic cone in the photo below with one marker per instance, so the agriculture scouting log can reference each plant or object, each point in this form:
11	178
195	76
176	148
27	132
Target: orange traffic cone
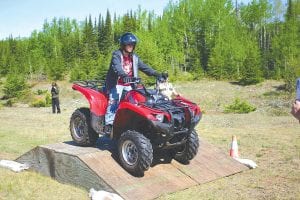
234	150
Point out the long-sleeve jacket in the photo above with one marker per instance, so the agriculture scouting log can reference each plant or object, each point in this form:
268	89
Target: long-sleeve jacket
116	70
55	92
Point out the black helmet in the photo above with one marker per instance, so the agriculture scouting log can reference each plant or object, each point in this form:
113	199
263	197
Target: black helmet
128	38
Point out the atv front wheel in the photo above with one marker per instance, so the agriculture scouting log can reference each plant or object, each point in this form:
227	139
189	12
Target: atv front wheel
187	152
135	152
81	130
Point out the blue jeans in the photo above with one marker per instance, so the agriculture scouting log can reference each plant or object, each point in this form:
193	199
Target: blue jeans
113	102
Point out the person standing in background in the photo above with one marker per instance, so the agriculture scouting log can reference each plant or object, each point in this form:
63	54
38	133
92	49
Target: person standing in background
55	98
296	105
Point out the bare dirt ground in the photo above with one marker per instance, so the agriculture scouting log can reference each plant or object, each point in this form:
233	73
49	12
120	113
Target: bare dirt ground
270	136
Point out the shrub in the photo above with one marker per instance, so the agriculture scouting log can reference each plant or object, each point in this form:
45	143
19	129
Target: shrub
239	106
48	99
40	92
9	103
42	101
38	103
14	86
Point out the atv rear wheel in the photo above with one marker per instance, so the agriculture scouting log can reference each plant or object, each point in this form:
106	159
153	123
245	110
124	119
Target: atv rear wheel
135	152
81	130
187	152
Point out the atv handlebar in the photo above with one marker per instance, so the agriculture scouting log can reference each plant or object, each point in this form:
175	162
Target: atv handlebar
130	80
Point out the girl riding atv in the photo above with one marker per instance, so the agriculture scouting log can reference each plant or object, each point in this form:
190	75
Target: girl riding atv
124	64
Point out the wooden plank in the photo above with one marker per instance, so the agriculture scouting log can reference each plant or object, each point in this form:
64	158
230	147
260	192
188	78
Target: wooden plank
158	180
70	148
209	164
95	167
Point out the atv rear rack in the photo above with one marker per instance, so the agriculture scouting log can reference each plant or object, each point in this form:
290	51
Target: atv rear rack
93	84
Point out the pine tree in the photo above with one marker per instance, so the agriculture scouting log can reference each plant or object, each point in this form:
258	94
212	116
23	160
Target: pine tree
251	72
107	35
290	48
100	32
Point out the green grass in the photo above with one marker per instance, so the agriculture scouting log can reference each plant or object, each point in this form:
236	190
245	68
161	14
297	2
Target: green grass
271	139
29	185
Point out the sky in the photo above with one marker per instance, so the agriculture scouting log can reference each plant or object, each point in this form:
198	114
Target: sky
21	17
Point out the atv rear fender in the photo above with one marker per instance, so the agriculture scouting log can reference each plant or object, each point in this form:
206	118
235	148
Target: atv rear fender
97	100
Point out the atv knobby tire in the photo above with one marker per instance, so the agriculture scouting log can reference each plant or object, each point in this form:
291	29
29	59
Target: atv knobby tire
81	130
135	152
189	150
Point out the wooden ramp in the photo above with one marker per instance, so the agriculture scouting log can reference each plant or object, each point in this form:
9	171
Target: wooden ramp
96	167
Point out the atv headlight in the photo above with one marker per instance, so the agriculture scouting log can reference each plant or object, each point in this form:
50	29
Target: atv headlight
159	117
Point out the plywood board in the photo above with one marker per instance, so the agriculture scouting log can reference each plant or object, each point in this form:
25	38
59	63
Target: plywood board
96	167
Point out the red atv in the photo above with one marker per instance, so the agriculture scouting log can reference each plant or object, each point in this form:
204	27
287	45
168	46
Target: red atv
145	121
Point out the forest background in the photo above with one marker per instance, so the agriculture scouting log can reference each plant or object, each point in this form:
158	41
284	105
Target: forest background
193	39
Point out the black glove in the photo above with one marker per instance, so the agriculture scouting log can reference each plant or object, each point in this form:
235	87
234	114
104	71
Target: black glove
136	79
165	75
162	77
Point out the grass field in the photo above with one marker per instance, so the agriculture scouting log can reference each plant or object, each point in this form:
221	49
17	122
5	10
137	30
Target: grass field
270	136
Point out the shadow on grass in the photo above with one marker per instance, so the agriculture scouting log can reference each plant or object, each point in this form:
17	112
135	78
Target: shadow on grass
281	88
243	83
235	83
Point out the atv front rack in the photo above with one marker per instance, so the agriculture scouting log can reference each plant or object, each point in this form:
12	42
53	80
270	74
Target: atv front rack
180	115
169	105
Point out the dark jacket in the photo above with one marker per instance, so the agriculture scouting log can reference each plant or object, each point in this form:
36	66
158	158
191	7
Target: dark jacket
115	70
55	92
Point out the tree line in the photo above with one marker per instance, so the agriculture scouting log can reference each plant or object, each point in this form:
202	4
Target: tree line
220	39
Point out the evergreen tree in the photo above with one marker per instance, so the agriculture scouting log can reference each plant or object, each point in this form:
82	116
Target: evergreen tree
100	33
197	38
14	85
251	72
107	35
287	45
